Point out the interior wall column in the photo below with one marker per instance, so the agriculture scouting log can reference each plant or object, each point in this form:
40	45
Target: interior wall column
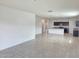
44	26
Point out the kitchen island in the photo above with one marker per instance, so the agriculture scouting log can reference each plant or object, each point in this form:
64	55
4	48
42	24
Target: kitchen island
59	31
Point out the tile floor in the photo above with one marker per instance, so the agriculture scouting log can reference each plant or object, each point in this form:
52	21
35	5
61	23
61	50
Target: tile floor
45	46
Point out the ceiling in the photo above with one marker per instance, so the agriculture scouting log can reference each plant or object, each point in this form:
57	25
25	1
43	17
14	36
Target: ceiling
47	8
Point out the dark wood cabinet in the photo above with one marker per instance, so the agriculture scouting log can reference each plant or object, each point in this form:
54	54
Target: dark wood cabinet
76	32
66	30
61	23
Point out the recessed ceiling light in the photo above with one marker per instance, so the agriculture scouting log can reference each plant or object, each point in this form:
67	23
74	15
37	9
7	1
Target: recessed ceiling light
50	11
34	0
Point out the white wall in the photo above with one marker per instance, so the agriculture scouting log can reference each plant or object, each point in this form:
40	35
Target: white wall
16	26
72	24
38	25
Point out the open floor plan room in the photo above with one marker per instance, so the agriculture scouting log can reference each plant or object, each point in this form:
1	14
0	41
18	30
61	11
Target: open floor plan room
39	28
